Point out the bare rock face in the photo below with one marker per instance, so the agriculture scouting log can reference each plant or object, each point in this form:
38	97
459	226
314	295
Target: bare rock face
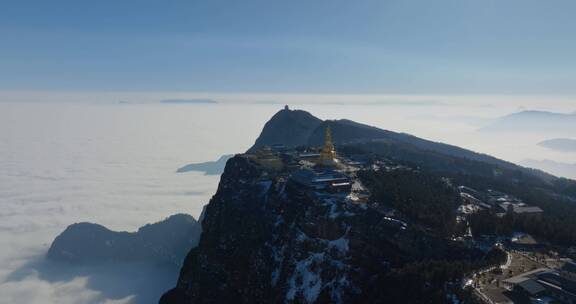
265	242
167	242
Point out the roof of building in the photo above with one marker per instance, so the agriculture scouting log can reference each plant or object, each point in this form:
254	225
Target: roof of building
344	184
527	209
468	189
570	267
521	277
520	208
309	154
531	286
555	280
497	296
524	239
309	176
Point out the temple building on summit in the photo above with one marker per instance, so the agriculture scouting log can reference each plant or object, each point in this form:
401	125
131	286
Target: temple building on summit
268	159
328	152
306	169
274	157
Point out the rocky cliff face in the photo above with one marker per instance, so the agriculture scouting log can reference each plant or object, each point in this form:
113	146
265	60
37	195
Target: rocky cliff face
265	241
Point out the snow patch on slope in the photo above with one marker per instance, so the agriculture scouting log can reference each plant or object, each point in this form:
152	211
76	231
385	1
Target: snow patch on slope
306	279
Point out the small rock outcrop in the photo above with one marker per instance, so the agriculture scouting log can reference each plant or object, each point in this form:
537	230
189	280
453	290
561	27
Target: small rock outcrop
209	168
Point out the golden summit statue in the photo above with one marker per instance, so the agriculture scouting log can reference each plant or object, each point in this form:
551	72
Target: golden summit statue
328	152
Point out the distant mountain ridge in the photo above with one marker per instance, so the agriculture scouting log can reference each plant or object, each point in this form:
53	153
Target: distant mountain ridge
563	169
165	242
533	121
189	101
559	144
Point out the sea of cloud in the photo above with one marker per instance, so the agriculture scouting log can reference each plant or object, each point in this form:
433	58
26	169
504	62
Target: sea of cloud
109	164
114	164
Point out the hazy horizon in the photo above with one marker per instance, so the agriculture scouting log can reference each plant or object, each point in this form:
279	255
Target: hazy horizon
501	104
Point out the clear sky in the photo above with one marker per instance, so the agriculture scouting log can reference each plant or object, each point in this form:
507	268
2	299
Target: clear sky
292	46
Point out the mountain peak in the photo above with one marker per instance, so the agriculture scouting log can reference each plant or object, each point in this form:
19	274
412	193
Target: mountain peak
288	127
297	128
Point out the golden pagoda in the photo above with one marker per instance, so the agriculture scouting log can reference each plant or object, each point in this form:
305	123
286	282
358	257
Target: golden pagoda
328	152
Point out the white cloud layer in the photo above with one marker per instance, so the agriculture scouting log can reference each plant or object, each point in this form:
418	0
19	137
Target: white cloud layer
35	291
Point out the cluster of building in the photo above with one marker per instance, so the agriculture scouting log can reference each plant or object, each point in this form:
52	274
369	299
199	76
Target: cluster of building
545	285
322	180
311	169
500	203
545	281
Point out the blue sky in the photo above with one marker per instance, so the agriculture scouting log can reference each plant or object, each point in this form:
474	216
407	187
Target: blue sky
291	46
